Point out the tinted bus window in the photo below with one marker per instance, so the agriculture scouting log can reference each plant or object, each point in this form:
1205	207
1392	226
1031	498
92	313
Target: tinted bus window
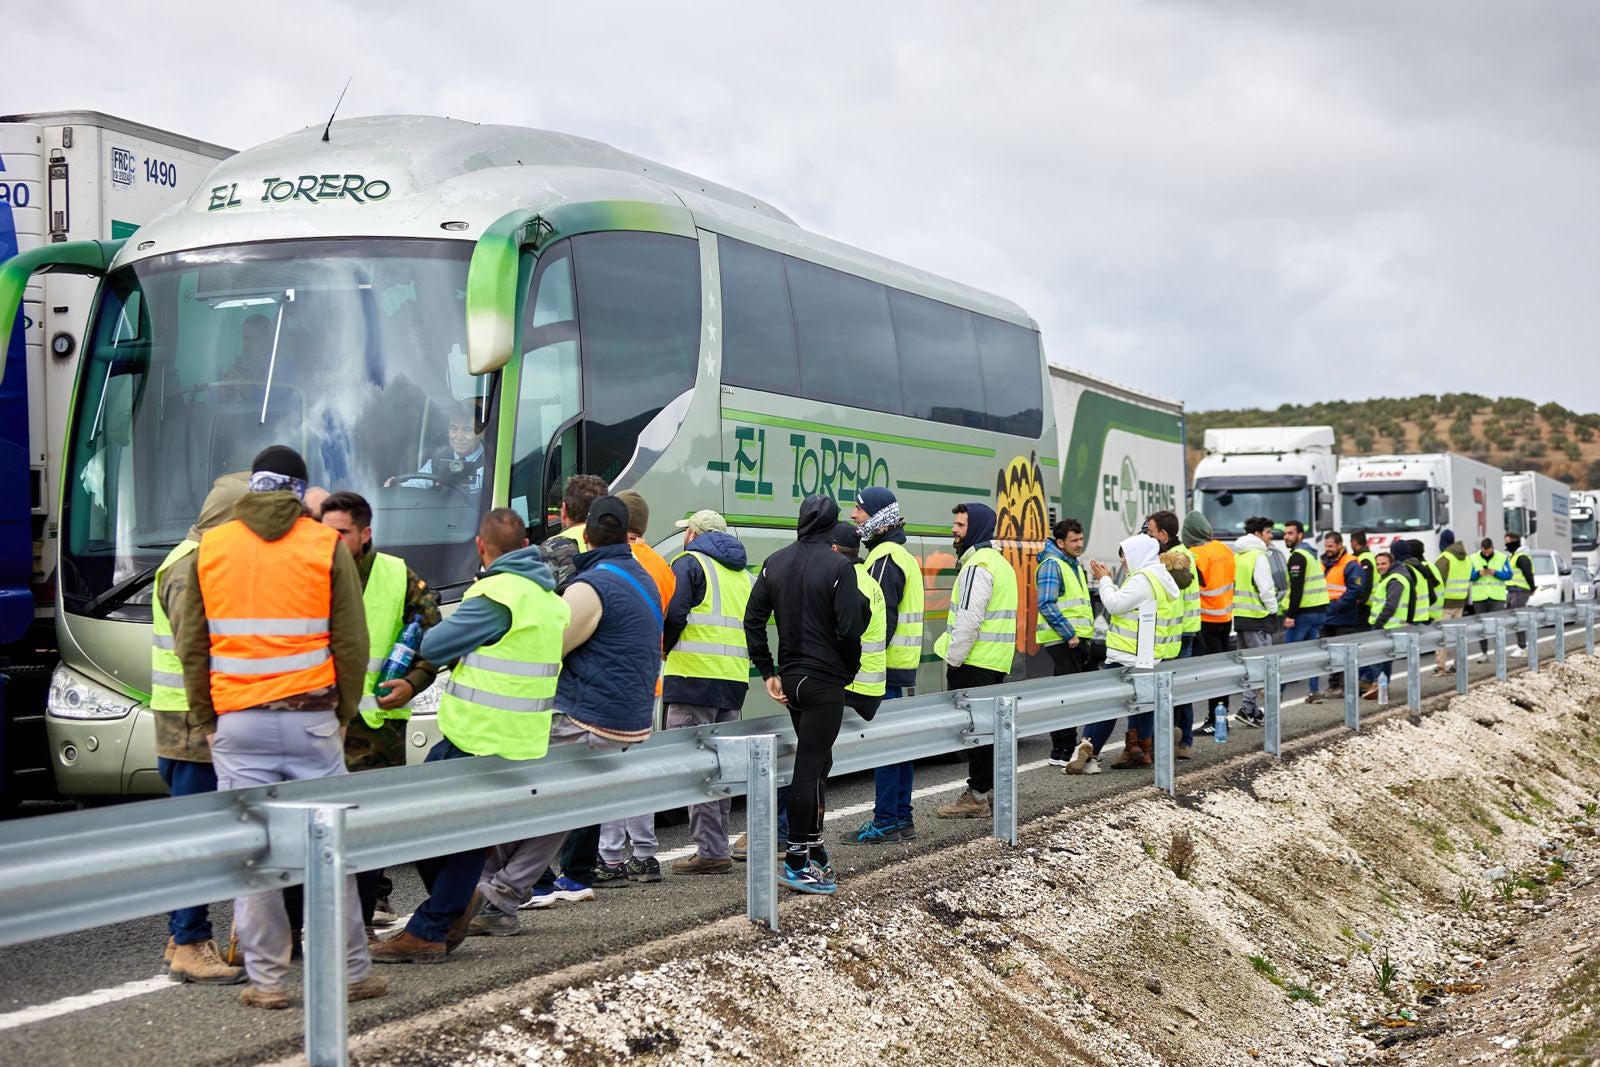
639	323
940	377
757	329
1013	382
845	338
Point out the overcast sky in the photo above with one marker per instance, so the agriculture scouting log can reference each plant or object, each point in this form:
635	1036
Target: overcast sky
1231	203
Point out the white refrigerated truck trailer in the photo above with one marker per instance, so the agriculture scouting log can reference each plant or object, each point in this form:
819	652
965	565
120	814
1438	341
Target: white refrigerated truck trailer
1419	497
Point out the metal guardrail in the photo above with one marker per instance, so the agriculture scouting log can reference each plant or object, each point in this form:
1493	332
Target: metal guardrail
178	852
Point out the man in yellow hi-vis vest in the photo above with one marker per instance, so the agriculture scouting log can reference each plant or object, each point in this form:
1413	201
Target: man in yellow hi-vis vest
981	640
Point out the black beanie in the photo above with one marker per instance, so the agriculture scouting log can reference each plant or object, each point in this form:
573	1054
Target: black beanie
280	459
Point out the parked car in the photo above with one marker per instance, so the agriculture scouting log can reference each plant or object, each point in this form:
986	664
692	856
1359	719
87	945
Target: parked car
1582	583
1552	578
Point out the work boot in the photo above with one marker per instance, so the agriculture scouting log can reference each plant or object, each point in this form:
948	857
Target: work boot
740	849
202	963
698	864
166	955
1184	752
1133	755
969	805
406	947
1371	693
255	996
369	988
1079	763
458	930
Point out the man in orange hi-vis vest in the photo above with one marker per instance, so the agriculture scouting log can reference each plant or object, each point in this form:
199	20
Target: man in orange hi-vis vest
1214	561
274	655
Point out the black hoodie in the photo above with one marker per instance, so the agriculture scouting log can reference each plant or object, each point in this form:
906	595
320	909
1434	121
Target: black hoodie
812	591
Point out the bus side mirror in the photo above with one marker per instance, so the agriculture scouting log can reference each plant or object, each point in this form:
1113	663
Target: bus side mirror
92	258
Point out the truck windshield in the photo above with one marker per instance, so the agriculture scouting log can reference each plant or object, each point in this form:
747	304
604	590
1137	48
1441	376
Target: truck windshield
352	352
1583	531
1376	510
1227	509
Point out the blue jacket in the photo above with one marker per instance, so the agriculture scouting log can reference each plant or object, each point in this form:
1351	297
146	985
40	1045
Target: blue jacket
480	621
690	590
1350	609
608	683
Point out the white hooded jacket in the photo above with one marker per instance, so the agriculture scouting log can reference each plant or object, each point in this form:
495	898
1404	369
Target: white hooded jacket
1262	574
1138	552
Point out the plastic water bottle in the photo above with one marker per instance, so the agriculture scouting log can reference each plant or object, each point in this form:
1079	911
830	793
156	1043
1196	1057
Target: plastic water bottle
400	656
1383	689
1220	723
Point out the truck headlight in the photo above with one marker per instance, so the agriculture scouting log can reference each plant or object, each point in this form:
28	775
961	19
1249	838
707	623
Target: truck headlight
73	696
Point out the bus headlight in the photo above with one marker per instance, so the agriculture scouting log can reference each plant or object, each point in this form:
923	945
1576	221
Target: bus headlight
73	696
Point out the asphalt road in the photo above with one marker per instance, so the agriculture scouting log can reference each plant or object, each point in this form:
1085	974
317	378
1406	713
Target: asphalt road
98	997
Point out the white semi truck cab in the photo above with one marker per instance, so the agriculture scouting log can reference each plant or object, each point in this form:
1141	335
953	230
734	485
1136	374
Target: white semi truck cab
1281	472
1584	506
1419	497
1538	510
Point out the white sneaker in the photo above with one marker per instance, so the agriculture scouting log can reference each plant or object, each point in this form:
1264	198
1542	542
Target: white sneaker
1517	652
1092	766
1082	756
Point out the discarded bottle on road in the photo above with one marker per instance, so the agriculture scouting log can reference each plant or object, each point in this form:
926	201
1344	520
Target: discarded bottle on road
1220	725
1383	689
400	657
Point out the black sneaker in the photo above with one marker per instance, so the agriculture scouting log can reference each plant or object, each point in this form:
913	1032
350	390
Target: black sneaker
610	875
1059	757
646	870
1207	729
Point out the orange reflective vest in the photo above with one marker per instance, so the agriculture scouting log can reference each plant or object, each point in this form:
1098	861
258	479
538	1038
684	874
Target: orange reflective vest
267	605
1216	565
1335	576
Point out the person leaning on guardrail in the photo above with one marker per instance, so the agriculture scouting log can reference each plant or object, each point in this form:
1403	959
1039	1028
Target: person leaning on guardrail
707	673
505	640
981	638
1255	604
274	653
1145	626
1390	607
182	756
1456	572
811	593
1346	581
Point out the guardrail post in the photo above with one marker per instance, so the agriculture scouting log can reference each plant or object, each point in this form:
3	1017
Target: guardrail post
1588	628
1500	628
1530	623
1558	620
1165	751
326	979
1411	645
761	823
1460	633
1005	769
1274	694
1352	687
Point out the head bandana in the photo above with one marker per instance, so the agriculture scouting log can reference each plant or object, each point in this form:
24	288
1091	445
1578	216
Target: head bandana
272	482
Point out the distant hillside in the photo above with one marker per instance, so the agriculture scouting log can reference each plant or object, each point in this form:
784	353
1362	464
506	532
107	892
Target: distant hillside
1512	434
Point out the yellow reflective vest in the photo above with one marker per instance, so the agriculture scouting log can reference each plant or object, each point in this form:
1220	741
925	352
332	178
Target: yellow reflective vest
872	679
166	672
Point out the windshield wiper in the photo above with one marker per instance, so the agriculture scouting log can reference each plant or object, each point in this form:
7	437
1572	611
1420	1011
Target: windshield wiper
105	602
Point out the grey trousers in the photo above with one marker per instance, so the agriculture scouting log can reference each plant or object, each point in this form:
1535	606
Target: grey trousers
1516	599
614	837
512	868
263	748
1253	639
708	822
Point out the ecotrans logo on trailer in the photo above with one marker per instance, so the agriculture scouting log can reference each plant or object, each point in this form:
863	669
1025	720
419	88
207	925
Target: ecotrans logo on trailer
1124	492
312	188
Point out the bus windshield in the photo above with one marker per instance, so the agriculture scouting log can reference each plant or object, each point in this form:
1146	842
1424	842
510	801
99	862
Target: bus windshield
1227	508
1378	510
350	351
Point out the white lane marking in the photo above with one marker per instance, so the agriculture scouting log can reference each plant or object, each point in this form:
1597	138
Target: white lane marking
68	1005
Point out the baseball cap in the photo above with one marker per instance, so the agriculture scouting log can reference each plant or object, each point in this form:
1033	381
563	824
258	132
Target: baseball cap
609	514
846	537
704	521
638	511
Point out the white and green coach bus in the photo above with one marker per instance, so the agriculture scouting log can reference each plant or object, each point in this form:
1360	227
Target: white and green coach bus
584	310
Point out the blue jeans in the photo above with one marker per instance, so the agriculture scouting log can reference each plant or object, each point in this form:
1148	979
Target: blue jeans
1182	717
892	804
1099	733
185	778
1307	627
450	879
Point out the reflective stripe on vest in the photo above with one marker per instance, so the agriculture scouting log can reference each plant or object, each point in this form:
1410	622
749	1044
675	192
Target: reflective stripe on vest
1073	603
166	672
1122	631
997	635
1488	585
1215	564
1458	580
712	644
1191	594
384	599
1380	594
871	680
1518	580
1333	577
905	644
267	605
1246	598
1314	591
500	697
